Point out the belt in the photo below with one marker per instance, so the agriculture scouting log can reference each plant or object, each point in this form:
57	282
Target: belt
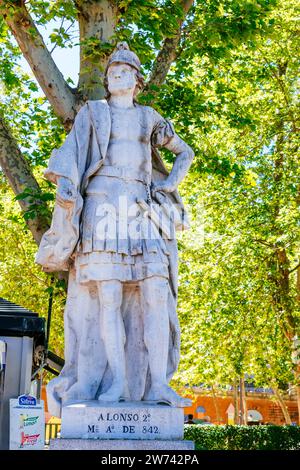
122	172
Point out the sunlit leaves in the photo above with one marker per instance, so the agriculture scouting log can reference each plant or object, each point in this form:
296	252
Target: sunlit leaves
21	280
233	95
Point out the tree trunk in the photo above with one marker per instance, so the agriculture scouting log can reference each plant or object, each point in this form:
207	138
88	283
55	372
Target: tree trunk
18	172
297	349
282	295
282	405
244	402
32	45
298	283
241	408
282	299
168	52
216	405
298	392
236	402
97	21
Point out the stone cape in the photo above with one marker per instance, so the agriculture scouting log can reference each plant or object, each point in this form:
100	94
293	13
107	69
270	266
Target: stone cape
81	155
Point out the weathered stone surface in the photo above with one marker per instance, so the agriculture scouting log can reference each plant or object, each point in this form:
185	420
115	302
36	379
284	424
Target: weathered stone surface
91	444
116	213
127	420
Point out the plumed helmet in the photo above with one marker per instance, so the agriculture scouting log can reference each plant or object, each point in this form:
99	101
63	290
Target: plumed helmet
123	54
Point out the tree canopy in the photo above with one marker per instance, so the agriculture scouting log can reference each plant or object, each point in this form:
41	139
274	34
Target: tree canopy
227	74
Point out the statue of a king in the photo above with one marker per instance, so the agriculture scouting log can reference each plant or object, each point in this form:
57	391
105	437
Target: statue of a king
113	228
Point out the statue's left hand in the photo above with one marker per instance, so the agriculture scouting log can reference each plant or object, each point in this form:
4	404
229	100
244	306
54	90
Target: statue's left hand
164	186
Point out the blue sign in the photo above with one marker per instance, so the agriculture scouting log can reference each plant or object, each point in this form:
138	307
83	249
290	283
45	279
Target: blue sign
27	400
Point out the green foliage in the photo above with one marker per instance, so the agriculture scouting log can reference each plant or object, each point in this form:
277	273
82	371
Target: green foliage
45	11
238	301
32	121
233	95
243	437
21	280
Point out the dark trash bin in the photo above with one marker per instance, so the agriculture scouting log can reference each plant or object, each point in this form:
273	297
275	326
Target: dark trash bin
22	341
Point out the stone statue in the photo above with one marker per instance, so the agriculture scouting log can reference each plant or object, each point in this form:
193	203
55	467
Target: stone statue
113	229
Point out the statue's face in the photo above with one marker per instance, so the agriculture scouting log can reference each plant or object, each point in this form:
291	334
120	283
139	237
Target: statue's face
121	78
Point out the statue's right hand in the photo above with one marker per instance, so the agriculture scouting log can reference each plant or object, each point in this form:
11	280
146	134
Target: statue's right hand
66	192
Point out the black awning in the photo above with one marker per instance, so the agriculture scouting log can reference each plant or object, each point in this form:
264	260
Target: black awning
18	321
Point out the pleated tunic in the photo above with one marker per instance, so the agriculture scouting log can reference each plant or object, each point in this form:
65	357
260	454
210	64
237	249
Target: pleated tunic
117	240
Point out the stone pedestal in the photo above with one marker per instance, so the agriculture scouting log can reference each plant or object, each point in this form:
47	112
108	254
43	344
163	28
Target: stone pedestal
125	420
93	425
118	444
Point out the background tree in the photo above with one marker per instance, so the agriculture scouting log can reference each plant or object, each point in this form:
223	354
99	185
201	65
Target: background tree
243	278
226	73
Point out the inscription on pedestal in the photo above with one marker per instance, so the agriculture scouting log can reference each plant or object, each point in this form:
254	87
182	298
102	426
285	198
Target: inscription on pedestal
135	420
